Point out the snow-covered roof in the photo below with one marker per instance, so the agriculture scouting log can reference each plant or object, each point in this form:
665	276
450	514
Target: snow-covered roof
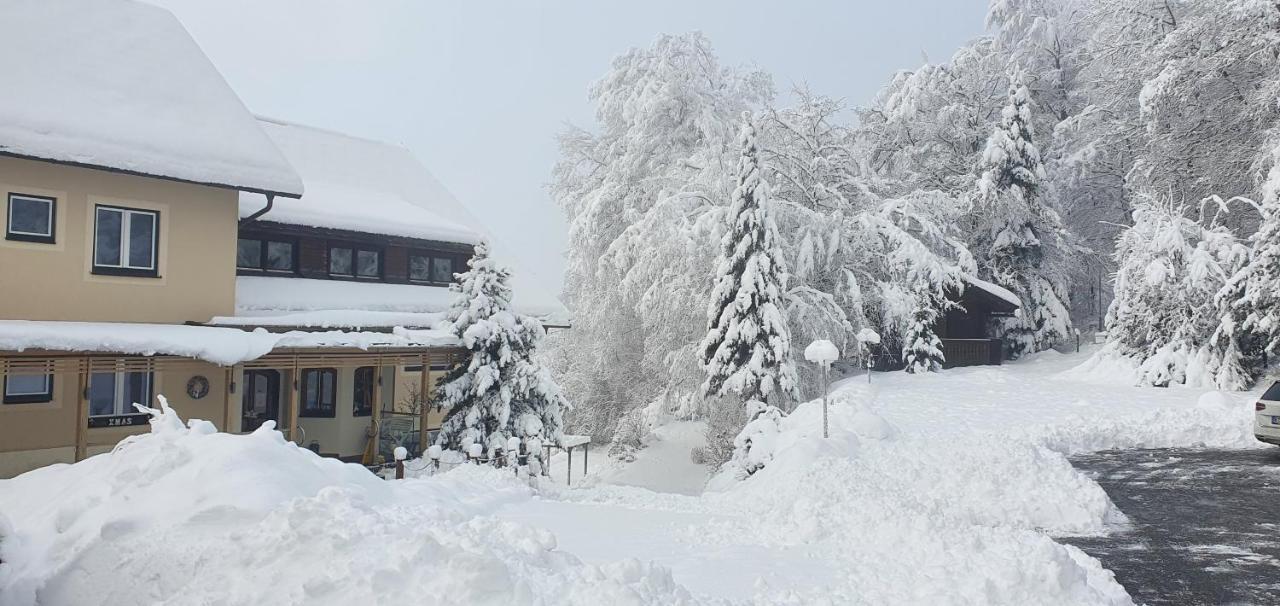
333	318
223	346
360	185
354	304
995	290
119	84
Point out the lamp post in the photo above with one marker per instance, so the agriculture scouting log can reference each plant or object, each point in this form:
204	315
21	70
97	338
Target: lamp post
867	338
400	454
823	352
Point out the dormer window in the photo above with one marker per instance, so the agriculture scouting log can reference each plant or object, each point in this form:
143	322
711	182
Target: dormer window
30	218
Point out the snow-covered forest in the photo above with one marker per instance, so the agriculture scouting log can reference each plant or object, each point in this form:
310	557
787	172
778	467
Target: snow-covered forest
1105	160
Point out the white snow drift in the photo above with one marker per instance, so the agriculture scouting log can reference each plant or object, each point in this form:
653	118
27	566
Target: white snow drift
943	489
185	515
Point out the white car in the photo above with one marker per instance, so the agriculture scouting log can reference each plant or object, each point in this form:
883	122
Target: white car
1266	421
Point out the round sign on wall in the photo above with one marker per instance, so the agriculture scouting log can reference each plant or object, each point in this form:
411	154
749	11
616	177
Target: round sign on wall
197	387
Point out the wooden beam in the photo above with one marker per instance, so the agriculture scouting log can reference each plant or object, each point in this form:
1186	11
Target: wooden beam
82	412
424	390
376	438
293	403
228	399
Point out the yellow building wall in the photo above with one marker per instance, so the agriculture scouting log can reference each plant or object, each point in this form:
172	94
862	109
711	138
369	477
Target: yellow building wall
196	256
34	435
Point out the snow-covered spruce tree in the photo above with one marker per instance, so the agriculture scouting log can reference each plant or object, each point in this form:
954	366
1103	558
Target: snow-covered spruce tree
501	391
921	347
1017	231
747	350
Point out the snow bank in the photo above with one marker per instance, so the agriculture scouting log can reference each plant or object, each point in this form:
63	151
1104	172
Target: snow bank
907	520
121	84
185	515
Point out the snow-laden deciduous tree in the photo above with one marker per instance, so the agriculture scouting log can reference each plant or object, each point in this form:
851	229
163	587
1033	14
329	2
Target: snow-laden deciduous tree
1018	234
747	349
1173	261
1250	302
502	391
644	194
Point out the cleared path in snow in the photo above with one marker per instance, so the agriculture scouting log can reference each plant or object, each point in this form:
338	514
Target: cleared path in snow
664	465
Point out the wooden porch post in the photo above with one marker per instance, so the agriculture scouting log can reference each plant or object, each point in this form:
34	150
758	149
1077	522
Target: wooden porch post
376	438
82	411
293	403
424	388
228	399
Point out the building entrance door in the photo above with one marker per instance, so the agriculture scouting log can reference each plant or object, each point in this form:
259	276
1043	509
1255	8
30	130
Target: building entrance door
261	399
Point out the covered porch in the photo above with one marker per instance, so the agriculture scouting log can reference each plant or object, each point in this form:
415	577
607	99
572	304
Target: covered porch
349	395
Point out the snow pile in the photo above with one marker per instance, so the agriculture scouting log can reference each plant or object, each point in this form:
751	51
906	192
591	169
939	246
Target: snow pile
889	509
189	516
120	84
1217	420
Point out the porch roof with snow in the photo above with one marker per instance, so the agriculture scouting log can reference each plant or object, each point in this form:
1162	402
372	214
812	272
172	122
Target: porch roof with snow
996	298
120	85
217	345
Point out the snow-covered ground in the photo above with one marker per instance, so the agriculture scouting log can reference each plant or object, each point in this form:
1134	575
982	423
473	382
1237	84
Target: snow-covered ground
947	488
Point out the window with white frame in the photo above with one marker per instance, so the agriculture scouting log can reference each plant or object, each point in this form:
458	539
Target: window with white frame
125	241
30	218
28	389
113	394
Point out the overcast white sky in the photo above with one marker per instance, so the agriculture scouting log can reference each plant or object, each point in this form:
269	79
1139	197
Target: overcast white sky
478	89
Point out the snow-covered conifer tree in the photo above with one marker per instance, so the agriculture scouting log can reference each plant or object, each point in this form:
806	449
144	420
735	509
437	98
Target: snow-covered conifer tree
747	349
921	347
1012	249
501	391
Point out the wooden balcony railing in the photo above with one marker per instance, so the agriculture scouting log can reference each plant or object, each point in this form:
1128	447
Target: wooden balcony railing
972	352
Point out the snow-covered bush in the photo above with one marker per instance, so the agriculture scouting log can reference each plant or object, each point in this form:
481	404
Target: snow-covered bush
754	445
725	420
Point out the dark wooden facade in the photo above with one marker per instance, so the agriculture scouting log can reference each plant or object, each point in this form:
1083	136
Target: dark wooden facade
966	332
312	247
